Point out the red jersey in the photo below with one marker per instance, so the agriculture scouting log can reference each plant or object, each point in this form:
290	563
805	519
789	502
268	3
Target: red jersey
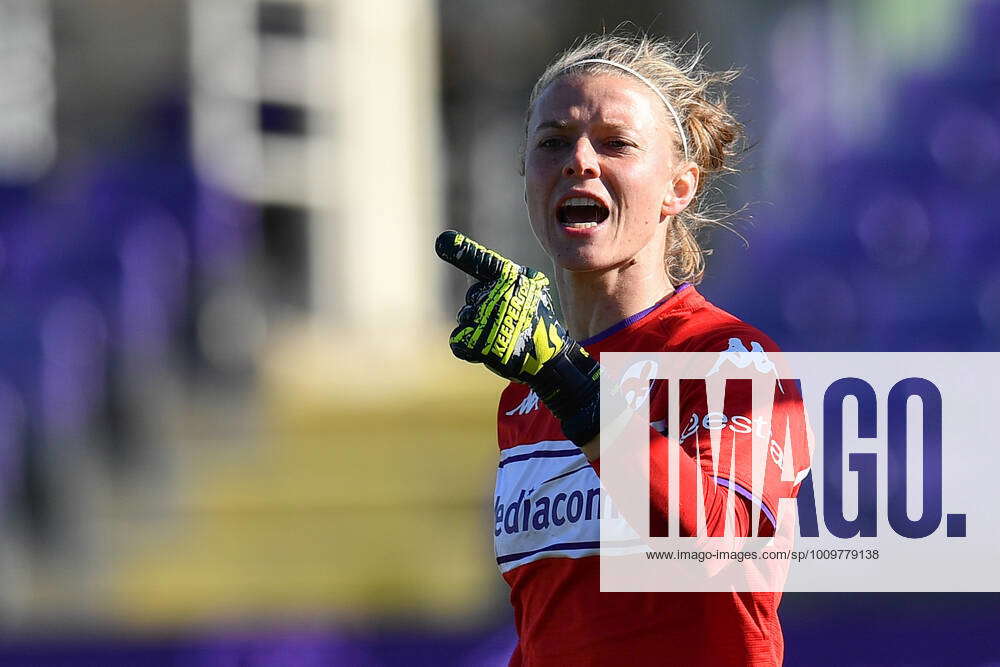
547	536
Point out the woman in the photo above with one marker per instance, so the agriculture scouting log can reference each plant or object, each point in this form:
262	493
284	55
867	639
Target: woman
622	135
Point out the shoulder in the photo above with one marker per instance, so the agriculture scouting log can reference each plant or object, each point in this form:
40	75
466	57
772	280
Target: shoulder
698	325
522	418
517	399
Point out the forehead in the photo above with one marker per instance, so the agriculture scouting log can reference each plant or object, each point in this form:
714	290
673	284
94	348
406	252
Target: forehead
604	98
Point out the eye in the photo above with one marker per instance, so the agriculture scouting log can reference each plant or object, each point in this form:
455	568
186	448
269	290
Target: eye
552	142
618	143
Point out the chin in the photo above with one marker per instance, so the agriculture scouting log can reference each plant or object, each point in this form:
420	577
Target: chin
581	260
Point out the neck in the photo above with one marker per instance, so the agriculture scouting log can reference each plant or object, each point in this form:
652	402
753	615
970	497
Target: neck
593	301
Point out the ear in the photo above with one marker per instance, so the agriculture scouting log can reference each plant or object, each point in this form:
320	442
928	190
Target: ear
682	190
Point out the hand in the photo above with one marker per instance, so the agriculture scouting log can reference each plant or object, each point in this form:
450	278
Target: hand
508	324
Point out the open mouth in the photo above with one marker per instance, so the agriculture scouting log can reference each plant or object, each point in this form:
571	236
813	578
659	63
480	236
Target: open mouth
581	213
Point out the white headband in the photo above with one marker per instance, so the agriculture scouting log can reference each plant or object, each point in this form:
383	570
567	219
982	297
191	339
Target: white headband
670	107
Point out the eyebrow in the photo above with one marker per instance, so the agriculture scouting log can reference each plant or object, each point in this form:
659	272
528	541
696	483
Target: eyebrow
552	124
563	124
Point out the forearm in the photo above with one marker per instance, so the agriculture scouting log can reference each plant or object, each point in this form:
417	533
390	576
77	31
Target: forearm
715	497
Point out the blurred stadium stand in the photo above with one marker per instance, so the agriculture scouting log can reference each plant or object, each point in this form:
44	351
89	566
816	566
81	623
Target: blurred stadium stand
214	217
195	427
897	238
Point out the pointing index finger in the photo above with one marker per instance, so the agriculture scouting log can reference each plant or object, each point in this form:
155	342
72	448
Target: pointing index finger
474	258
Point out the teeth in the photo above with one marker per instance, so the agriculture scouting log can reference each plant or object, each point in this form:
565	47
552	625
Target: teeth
580	225
580	201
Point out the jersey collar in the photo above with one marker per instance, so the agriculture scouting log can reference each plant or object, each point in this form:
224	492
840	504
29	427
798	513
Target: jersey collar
633	319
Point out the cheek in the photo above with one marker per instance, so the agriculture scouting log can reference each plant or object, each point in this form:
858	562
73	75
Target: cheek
641	202
536	190
535	204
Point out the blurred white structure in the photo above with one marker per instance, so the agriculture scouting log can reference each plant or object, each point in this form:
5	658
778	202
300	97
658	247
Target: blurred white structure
27	90
355	85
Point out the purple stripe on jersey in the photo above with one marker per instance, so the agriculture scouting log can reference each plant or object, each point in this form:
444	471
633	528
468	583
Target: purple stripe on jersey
566	474
542	455
567	546
632	319
723	482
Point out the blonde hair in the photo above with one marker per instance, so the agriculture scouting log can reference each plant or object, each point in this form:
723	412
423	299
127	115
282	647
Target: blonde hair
714	136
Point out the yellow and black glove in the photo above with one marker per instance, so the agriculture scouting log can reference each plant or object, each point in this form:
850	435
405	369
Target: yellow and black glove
508	324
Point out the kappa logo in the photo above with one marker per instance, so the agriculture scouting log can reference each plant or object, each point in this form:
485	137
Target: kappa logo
738	355
529	404
636	383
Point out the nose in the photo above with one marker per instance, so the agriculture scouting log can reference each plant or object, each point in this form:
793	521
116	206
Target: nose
582	161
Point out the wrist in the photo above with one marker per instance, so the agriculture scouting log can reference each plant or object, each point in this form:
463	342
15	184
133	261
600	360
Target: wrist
569	385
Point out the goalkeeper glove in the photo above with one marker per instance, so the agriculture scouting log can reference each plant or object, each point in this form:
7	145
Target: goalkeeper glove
508	324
